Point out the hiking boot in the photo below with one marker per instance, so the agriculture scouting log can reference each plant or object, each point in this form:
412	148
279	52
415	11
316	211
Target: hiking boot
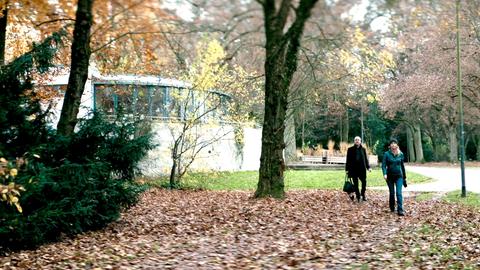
400	213
364	199
352	197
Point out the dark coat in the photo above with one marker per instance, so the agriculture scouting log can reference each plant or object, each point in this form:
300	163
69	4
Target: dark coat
352	167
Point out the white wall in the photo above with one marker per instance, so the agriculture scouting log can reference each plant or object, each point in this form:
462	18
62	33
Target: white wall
222	155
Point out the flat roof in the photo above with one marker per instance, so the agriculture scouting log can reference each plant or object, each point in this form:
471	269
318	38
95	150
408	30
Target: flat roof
138	80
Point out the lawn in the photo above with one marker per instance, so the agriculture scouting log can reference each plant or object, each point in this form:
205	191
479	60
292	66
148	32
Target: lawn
472	199
332	179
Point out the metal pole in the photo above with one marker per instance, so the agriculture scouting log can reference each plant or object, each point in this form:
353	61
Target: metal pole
460	96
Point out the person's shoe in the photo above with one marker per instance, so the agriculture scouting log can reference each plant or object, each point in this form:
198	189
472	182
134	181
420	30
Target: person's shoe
364	199
352	197
400	213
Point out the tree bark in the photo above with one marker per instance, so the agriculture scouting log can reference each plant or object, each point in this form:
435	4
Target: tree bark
3	33
303	129
410	147
362	128
453	144
78	69
289	137
172	174
280	64
346	127
477	144
417	139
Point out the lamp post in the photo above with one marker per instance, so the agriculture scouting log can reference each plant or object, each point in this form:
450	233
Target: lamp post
460	96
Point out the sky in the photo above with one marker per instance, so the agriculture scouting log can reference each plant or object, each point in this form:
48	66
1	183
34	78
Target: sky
358	12
182	8
184	11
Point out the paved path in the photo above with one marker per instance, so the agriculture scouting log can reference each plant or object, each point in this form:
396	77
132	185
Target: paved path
447	179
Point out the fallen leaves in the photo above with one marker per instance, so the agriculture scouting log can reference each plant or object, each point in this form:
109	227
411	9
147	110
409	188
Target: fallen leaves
308	229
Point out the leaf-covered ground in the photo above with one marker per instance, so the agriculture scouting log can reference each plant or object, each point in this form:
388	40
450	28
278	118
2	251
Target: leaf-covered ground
307	230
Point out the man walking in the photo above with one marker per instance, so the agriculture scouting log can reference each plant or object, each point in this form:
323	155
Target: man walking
357	166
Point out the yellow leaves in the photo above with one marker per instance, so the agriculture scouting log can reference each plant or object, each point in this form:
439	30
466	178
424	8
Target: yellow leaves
10	193
19	208
208	70
372	98
347	58
358	36
12	198
13	172
31	117
364	62
386	58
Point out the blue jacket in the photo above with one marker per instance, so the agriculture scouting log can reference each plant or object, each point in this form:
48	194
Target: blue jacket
393	166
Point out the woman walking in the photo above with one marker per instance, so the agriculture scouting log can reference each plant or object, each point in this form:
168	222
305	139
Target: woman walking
394	173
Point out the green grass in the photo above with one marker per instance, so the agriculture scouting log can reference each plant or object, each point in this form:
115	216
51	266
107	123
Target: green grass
425	196
332	179
472	199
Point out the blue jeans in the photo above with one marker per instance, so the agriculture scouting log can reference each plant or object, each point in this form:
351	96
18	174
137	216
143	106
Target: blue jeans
395	185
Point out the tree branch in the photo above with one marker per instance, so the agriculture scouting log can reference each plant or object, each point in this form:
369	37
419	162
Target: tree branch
54	21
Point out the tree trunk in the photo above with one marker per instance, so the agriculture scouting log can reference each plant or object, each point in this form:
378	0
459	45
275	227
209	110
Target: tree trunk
340	127
410	148
346	127
303	130
453	144
271	181
362	130
289	137
436	156
477	144
172	174
417	139
78	68
3	33
280	64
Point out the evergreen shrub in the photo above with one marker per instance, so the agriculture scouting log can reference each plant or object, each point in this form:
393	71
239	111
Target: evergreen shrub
74	184
70	184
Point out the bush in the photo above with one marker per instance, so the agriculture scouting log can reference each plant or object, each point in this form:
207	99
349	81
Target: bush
22	122
77	184
68	184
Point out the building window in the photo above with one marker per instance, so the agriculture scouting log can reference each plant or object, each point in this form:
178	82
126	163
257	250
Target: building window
158	101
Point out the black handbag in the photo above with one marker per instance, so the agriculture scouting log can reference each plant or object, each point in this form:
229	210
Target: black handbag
348	185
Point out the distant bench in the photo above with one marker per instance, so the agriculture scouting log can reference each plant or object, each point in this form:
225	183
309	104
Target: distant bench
313	159
324	160
334	160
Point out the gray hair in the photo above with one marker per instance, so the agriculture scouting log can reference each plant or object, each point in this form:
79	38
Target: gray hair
357	137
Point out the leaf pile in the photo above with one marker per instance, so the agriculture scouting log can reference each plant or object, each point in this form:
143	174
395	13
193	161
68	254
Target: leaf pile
313	229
